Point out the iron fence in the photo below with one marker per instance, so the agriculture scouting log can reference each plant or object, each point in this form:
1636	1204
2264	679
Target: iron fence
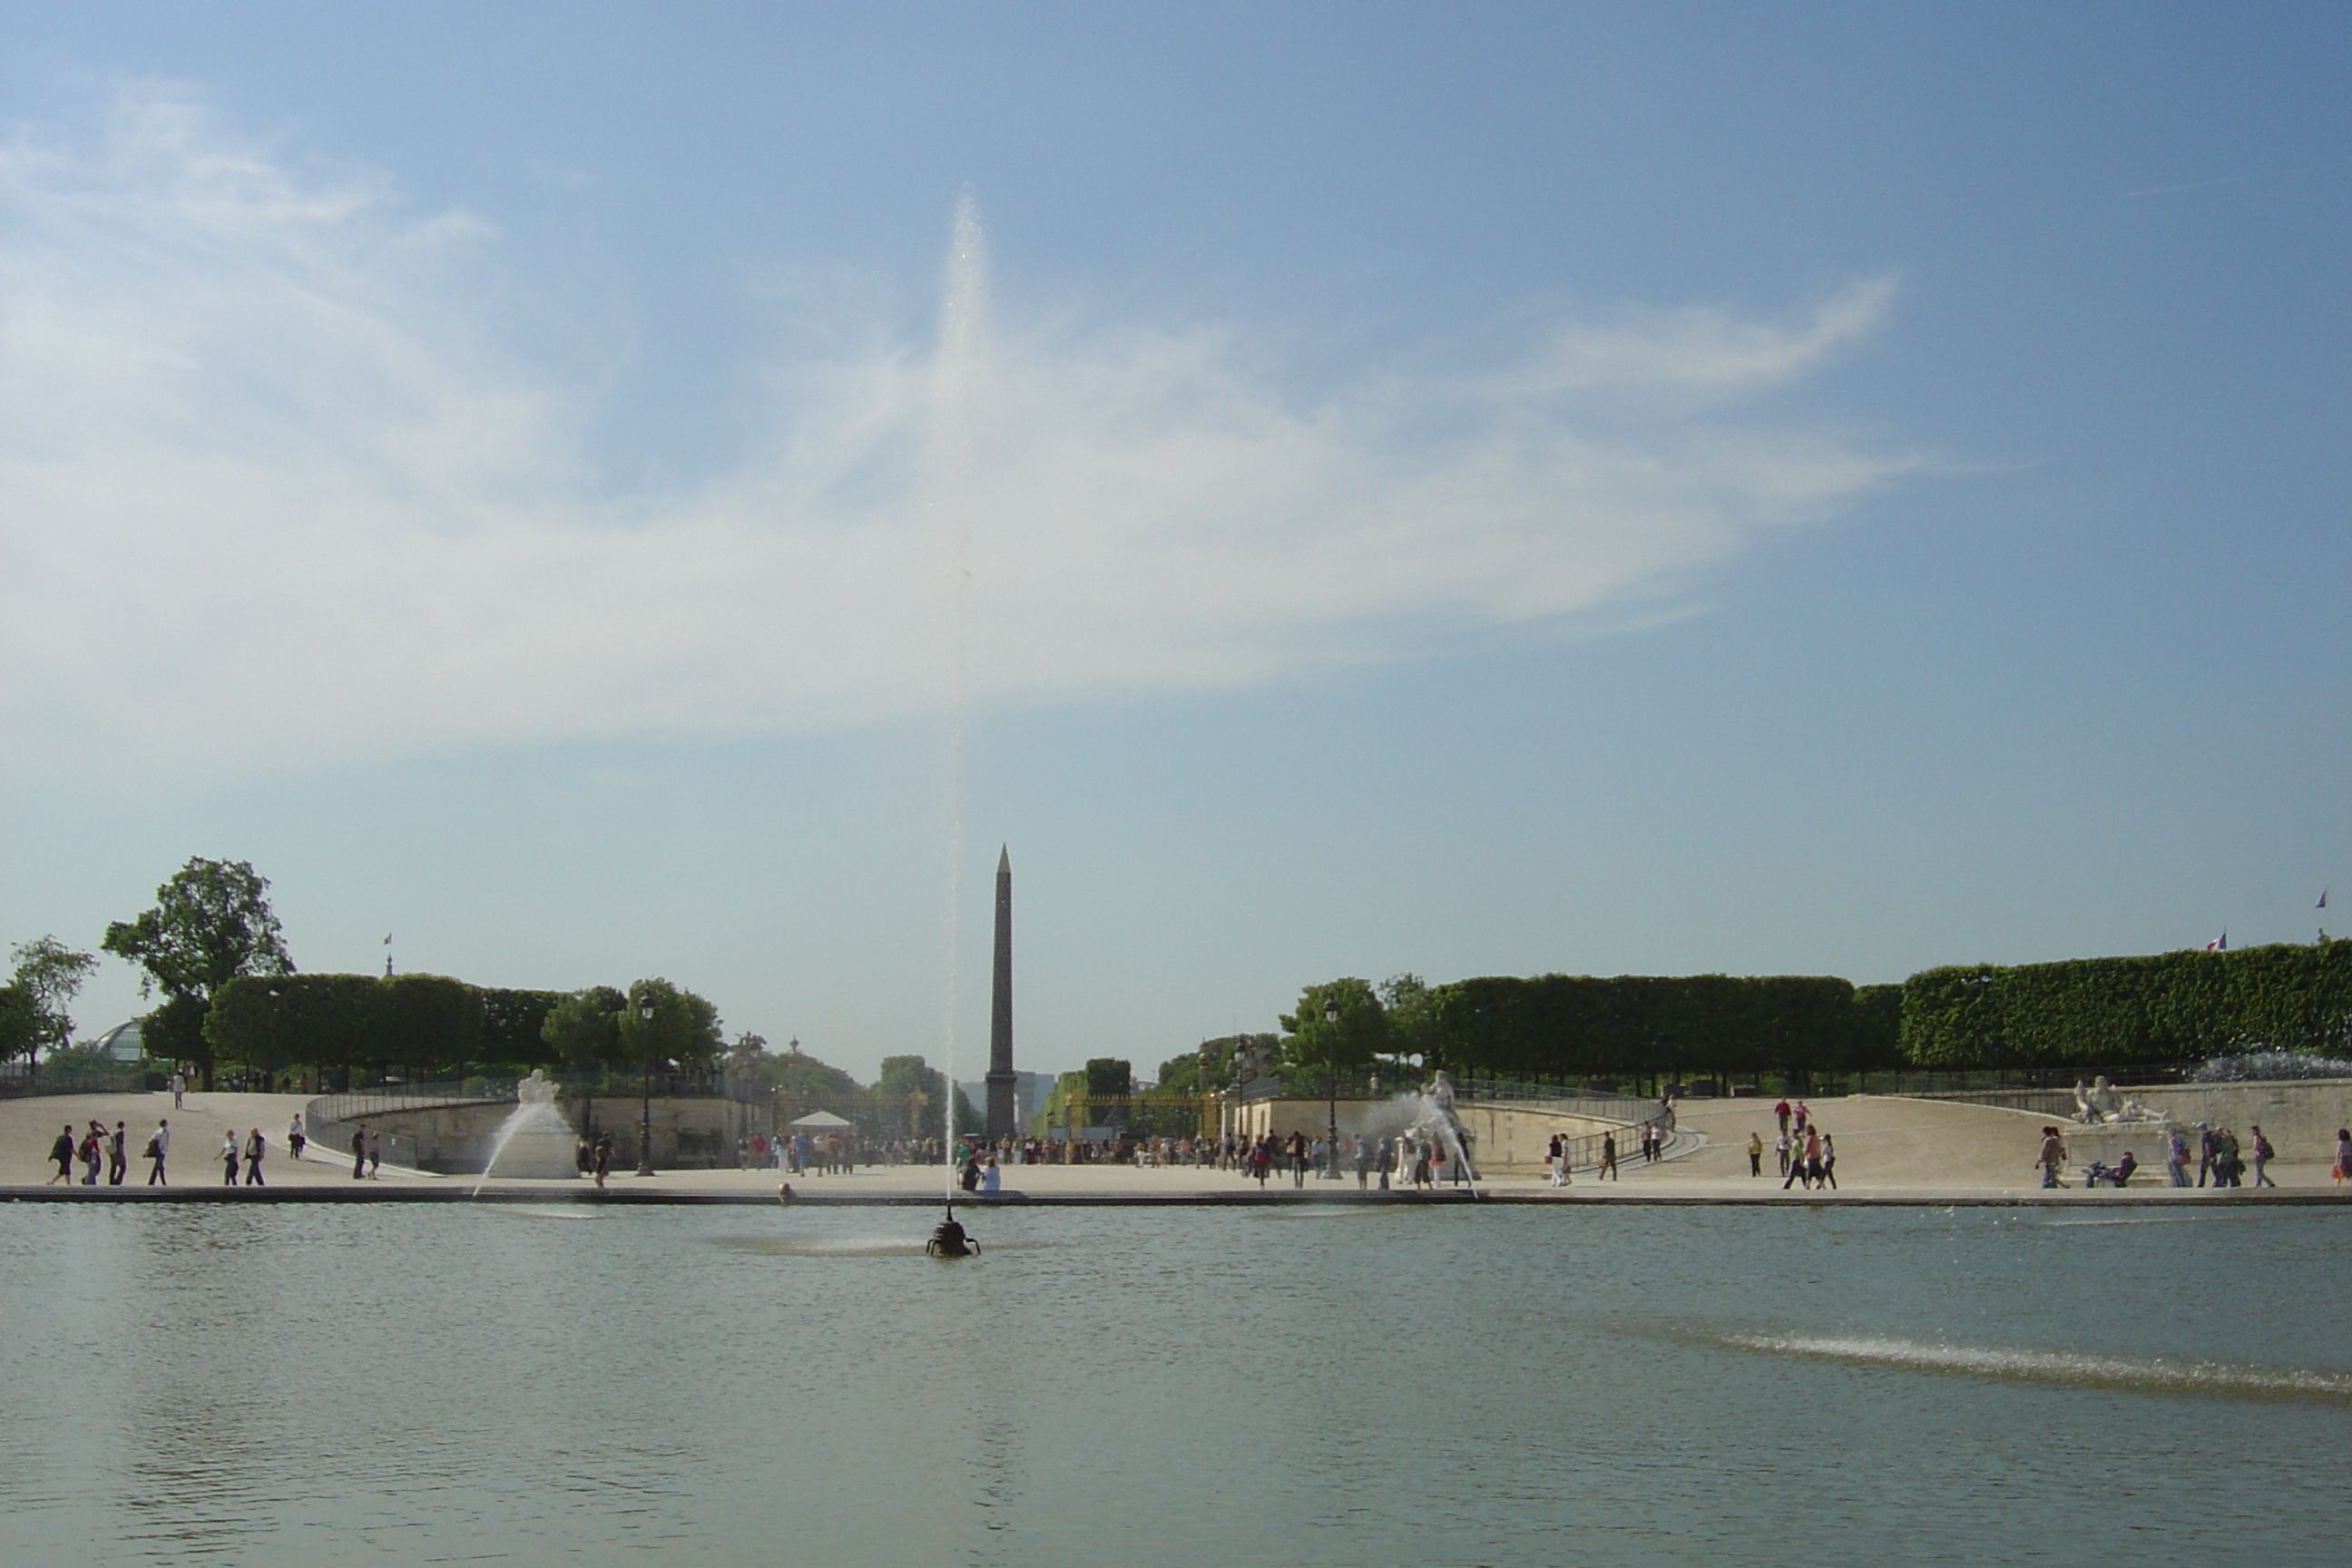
128	1078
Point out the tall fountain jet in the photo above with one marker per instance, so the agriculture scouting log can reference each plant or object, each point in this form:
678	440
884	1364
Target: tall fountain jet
1001	1106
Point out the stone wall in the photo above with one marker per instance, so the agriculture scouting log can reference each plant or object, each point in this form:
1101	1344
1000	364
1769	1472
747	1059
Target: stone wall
1504	1139
2299	1118
698	1133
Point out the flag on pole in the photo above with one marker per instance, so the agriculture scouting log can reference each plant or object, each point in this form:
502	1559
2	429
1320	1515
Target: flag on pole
2323	899
2218	944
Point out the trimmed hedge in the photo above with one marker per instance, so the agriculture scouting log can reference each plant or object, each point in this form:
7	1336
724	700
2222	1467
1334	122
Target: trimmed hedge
424	1023
2163	1007
1576	1026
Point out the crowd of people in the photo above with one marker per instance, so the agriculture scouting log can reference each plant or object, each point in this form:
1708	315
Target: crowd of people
240	1156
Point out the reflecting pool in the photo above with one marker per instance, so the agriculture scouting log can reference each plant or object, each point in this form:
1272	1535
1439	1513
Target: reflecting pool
1457	1386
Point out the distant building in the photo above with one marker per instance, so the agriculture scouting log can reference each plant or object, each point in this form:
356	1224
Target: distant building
122	1042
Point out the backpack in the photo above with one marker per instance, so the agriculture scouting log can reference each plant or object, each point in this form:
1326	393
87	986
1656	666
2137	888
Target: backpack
155	1151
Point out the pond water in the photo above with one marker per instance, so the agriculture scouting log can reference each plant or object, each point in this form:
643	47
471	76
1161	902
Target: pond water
1456	1385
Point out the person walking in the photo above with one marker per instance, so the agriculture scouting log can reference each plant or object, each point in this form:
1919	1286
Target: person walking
1797	1174
603	1158
2344	1154
376	1156
159	1146
179	1090
295	1140
1755	1154
2261	1153
1781	1111
1829	1163
2052	1157
116	1163
2226	1163
2176	1159
252	1151
91	1139
358	1153
1608	1171
62	1152
228	1154
2208	1146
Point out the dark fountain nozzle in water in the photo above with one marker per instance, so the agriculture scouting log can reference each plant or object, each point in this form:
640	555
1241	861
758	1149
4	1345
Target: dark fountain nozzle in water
948	1240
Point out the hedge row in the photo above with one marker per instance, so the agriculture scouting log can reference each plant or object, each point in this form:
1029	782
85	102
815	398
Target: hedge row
1575	1025
423	1024
2164	1007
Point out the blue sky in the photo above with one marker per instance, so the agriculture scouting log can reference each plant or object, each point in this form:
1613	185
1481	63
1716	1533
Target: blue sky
1646	489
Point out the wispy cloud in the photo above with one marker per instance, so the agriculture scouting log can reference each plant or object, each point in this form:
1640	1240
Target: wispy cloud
276	491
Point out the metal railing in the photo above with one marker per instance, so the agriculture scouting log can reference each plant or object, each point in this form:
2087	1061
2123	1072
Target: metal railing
2043	1092
362	1104
128	1078
1598	1105
1928	1085
353	1105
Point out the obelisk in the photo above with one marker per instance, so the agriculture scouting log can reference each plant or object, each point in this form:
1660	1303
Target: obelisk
1001	1105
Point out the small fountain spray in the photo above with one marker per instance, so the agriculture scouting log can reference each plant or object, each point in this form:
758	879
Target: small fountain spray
535	1141
953	390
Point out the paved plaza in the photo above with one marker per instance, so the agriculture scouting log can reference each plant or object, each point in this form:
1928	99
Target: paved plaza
1887	1148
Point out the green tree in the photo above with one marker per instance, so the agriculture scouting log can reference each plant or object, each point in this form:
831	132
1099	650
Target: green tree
1209	1064
684	1030
804	1084
1410	1008
907	1095
513	1026
48	975
1361	1033
431	1025
585	1027
211	924
272	1021
20	1025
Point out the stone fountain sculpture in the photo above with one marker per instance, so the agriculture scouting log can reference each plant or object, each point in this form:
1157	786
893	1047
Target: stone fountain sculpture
2107	1124
1437	1120
2101	1104
534	1143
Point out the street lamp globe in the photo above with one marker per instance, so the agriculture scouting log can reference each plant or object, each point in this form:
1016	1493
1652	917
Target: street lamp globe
646	1091
1331	1085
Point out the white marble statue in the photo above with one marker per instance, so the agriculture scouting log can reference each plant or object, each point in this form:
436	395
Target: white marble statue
2102	1103
538	1089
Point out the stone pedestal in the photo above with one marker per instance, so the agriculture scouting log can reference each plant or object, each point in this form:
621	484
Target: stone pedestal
540	1146
2105	1141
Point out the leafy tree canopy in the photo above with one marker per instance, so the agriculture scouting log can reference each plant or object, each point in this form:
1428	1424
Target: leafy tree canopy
907	1092
1182	1074
585	1027
47	976
211	922
20	1023
808	1084
684	1028
1361	1033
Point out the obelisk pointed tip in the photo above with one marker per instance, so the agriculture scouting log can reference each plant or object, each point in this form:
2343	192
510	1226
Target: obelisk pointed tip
1004	861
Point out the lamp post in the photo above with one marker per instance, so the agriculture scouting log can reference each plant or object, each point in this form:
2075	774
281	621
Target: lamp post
646	1095
1331	1083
